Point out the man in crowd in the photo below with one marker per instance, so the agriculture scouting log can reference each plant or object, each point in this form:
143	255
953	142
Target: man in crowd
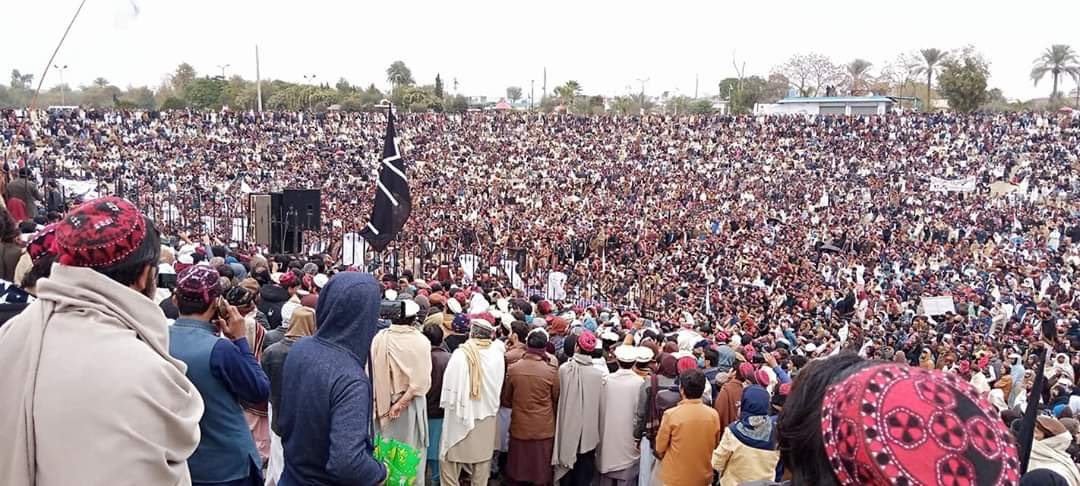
302	324
401	377
225	371
617	459
439	359
25	190
471	390
326	394
688	434
531	392
577	431
138	416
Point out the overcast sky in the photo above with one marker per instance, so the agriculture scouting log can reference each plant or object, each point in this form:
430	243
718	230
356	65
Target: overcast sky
489	45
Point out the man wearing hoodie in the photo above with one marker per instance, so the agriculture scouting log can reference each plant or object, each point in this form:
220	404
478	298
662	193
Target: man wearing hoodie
95	341
325	419
272	297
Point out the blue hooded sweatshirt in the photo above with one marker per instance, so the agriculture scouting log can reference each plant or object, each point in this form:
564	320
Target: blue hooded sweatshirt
326	402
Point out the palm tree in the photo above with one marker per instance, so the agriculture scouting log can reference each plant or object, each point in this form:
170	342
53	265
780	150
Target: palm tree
932	58
568	91
1057	60
101	82
398	74
857	71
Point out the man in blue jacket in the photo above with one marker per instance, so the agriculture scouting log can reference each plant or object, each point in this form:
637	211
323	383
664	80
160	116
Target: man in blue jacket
326	400
225	372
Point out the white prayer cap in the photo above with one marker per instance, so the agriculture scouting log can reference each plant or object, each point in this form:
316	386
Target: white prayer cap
287	311
810	347
390	294
626	353
454	305
320	280
609	335
644	355
411	308
478	304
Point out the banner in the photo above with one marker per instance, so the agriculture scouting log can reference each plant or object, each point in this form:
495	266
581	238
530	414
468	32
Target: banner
469	264
966	184
81	190
352	250
936	306
556	286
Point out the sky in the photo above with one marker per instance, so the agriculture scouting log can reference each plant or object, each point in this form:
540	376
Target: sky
487	45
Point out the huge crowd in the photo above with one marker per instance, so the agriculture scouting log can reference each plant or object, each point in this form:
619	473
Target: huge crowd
582	300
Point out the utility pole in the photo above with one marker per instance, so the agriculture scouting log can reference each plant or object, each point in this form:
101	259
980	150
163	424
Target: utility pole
63	87
532	92
543	92
258	80
643	81
222	68
695	86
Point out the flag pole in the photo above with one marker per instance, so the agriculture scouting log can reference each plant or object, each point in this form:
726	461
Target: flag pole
33	100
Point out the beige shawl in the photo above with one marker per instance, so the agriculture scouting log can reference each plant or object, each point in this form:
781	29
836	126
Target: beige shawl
89	392
400	362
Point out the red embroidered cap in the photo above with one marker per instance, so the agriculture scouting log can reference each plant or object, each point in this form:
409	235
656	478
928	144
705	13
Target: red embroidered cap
43	243
901	425
99	233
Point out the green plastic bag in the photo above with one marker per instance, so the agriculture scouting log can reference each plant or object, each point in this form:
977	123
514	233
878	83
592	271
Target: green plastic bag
400	459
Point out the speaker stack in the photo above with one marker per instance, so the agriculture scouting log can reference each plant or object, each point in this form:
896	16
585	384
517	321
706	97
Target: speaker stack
279	219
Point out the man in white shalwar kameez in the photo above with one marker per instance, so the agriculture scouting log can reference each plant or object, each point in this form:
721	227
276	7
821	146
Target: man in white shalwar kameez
617	457
472	385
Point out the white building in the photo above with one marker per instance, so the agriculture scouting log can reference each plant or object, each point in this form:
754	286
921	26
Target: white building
828	105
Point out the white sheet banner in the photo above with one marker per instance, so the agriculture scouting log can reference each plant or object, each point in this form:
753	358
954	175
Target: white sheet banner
79	189
556	286
352	250
966	184
936	306
469	264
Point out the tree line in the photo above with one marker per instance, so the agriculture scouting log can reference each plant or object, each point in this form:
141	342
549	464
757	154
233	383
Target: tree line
960	74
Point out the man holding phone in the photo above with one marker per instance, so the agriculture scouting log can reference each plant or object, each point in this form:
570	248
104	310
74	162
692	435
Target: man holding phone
225	372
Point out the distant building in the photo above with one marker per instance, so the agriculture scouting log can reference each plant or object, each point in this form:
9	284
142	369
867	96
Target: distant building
828	105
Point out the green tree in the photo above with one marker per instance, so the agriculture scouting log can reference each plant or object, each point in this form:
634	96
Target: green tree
776	88
344	87
173	103
20	80
743	94
140	97
857	72
701	107
568	92
963	81
398	74
1056	60
204	93
457	104
438	86
513	93
101	82
931	59
183	75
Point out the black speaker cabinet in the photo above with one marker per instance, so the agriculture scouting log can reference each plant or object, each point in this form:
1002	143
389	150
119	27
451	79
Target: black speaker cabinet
302	208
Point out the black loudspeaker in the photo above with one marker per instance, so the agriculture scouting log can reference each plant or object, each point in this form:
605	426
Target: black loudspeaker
302	208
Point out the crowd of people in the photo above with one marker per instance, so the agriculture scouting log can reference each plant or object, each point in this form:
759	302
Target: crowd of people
739	300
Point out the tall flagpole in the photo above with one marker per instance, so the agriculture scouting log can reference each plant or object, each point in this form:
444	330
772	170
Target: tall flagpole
33	100
258	80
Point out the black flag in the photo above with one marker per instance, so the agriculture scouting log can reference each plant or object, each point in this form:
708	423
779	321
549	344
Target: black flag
393	203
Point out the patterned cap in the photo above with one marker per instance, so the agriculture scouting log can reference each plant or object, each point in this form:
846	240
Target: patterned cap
900	425
461	324
43	243
587	341
288	279
99	233
199	283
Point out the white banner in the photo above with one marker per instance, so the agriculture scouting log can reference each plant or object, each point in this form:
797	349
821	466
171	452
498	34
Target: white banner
556	286
966	184
238	225
352	250
469	264
84	190
936	306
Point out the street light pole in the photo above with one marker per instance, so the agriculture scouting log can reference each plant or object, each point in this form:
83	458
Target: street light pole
643	81
311	79
222	68
63	88
532	92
